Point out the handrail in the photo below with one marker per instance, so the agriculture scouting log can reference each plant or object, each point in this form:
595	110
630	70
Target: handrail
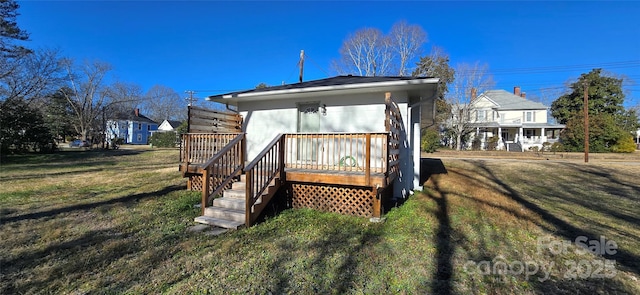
221	168
261	172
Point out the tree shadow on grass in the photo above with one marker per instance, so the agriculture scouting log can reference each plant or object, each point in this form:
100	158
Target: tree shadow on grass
445	246
89	206
334	253
562	227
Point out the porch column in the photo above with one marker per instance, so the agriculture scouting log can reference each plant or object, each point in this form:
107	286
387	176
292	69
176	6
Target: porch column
543	136
520	132
414	121
499	138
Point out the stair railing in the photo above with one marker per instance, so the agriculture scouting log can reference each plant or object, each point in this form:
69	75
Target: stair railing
268	165
218	172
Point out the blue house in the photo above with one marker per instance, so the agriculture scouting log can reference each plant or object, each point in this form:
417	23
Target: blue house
132	128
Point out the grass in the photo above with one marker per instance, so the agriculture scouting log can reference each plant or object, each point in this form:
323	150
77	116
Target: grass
116	222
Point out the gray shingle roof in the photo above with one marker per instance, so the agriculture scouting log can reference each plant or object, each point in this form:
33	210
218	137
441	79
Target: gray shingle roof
509	101
333	81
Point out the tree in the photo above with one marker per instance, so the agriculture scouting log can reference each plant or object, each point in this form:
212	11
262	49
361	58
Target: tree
407	41
122	98
9	29
58	115
164	103
87	94
369	52
22	128
469	80
32	76
605	96
609	122
605	134
436	64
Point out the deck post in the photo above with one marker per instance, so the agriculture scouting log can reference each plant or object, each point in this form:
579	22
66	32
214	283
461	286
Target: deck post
248	198
377	203
205	189
281	157
367	160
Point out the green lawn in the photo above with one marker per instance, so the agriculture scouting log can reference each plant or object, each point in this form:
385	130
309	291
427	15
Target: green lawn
116	222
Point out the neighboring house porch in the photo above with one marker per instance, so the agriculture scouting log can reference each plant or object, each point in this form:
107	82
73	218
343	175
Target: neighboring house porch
512	121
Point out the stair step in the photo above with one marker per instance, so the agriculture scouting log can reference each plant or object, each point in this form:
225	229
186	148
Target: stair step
239	185
235	193
225	213
218	222
229	203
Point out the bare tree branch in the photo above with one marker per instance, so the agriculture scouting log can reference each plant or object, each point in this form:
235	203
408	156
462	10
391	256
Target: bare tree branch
470	80
407	41
163	103
87	94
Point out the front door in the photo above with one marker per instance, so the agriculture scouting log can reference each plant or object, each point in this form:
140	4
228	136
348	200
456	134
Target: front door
505	135
308	122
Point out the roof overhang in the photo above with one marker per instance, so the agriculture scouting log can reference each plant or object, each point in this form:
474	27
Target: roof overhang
411	85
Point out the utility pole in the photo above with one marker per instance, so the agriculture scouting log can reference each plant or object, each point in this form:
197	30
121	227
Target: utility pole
191	99
301	64
586	121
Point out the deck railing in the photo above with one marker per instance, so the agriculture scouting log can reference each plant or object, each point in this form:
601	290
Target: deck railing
260	173
197	148
365	152
219	171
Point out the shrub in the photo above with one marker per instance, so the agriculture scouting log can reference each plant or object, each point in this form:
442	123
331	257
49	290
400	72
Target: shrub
476	144
546	146
557	147
625	144
163	139
430	141
492	143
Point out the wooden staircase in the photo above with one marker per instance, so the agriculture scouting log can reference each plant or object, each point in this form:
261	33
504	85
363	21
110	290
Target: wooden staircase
229	210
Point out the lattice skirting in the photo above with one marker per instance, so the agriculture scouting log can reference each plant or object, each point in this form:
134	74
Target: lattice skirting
346	200
195	182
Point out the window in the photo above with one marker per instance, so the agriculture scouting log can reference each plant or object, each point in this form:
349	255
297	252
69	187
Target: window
529	116
139	138
148	127
528	133
139	126
481	115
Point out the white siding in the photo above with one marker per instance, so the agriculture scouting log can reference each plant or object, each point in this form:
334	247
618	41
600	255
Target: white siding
264	120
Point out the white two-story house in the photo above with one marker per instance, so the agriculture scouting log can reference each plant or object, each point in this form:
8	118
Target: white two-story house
517	122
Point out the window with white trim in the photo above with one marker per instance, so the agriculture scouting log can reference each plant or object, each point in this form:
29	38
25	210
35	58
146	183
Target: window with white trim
481	115
529	116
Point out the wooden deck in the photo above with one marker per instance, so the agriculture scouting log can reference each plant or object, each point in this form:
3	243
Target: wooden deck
355	178
344	172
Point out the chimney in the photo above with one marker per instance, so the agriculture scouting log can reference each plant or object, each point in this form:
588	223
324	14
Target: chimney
516	90
474	94
137	112
523	95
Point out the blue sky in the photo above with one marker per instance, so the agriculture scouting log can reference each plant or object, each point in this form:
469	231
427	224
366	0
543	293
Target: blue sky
215	47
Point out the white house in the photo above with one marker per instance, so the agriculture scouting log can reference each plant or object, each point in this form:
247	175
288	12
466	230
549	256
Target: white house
168	125
132	127
517	123
339	104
